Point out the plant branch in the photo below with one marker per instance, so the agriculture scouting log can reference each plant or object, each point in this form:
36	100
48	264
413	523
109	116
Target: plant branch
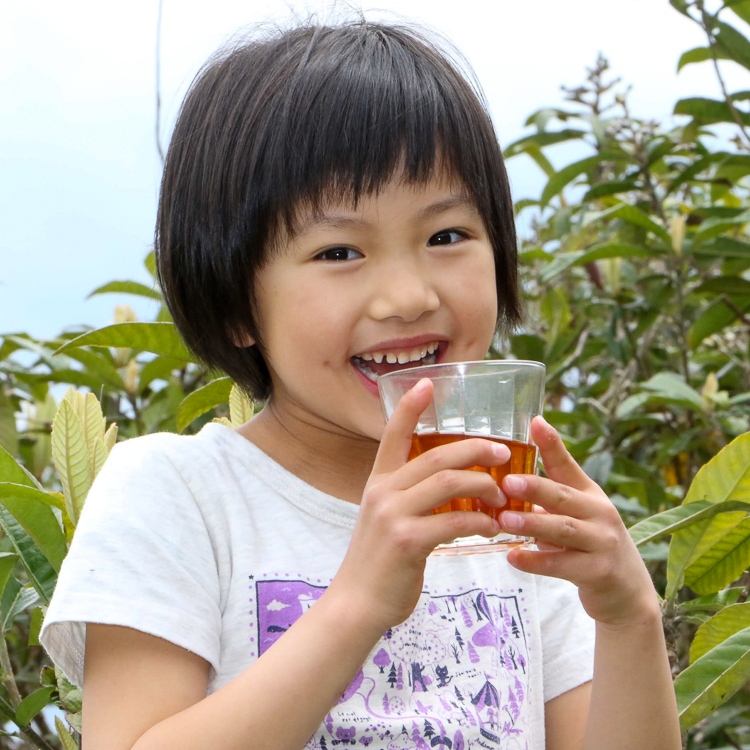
7	711
7	676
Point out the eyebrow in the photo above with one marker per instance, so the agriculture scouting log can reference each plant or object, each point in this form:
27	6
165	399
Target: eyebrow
339	221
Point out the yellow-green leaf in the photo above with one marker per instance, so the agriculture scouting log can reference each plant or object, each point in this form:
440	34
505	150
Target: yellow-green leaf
725	478
71	459
721	626
241	408
712	679
66	739
199	402
723	563
110	437
99	456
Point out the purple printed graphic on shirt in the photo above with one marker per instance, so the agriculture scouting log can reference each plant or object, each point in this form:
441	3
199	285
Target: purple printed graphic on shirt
453	676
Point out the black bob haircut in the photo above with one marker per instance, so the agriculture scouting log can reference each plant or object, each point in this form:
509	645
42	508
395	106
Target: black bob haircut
293	119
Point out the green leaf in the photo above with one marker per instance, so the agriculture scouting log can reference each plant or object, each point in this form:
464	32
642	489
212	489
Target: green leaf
15	599
8	430
723	563
159	368
542	161
740	7
528	346
723	625
725	478
7	562
730	285
567	174
66	739
724	247
610	188
670	521
714	318
31	508
202	400
546	138
713	679
159	338
12	471
719	224
734	44
712	602
127	287
698	55
708	111
634	216
71	459
35	626
31	705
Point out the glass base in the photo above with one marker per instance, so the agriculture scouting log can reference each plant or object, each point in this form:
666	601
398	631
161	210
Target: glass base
477	545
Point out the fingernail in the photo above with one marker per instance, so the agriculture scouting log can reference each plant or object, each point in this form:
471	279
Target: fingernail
501	451
548	428
501	499
515	484
511	521
421	385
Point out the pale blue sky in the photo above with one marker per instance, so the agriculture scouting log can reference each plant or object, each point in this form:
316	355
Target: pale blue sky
80	171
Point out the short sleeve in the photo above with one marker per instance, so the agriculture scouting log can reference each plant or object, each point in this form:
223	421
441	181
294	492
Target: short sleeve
141	557
568	635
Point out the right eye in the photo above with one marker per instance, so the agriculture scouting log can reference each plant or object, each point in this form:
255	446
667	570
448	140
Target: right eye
335	254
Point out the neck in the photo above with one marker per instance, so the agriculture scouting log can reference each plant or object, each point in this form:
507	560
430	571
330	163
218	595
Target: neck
333	462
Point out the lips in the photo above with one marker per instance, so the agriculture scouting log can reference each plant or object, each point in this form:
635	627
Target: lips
372	369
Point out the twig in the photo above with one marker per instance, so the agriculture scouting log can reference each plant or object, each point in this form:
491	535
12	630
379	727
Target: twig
7	710
158	83
736	310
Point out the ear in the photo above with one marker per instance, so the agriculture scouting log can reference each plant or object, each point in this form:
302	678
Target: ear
241	340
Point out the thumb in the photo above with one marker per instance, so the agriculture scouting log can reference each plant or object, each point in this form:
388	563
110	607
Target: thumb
397	435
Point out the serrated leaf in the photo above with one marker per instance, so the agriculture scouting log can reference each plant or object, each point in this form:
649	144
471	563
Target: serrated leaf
127	287
110	437
211	395
725	478
712	679
241	408
100	454
15	599
66	739
723	563
159	338
721	626
71	459
673	520
31	705
31	508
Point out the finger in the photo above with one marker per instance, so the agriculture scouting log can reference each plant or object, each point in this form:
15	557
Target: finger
558	463
464	453
568	564
552	496
395	443
562	531
445	527
472	487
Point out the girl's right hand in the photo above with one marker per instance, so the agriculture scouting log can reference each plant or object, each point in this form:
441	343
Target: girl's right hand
383	570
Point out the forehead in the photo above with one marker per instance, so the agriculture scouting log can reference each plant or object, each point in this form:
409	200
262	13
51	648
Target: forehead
420	201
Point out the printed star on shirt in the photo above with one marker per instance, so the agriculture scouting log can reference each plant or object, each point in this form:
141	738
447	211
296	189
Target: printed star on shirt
251	578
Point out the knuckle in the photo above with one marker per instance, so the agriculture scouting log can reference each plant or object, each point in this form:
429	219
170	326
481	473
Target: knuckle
568	530
565	494
402	537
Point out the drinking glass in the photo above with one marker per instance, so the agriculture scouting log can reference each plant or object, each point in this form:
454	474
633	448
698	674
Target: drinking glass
492	399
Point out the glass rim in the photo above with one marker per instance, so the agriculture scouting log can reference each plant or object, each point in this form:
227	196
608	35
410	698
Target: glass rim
524	363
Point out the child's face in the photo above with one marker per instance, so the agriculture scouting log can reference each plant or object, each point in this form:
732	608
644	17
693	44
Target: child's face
406	269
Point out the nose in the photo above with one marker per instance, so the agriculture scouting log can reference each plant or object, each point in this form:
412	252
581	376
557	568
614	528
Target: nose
403	290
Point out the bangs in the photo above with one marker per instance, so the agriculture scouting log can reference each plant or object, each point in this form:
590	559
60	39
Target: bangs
360	108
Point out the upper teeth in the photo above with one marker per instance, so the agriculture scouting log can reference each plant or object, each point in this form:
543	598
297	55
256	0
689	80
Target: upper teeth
402	357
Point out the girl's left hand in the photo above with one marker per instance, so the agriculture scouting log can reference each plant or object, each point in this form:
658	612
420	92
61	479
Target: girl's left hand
580	535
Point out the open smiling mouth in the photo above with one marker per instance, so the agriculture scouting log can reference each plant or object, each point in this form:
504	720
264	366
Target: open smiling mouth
372	366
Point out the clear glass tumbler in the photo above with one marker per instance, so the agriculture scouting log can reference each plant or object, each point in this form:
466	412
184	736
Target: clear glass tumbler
491	399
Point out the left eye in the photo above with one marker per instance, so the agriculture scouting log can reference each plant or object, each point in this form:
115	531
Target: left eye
447	237
337	254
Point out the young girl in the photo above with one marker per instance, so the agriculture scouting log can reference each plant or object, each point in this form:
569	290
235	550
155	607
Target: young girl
335	206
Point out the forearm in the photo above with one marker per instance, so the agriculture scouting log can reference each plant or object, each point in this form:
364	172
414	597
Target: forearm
632	696
281	699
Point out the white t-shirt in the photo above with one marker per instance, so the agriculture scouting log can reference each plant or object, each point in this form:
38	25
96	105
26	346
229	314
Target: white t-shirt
207	542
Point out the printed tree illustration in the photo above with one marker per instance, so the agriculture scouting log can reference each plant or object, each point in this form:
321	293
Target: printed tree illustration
522	662
432	608
329	723
417	738
466	615
400	678
382	659
512	655
392	675
514	628
456	653
323	744
512	707
428	730
459	640
473	655
386	705
417	678
458	693
458	741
